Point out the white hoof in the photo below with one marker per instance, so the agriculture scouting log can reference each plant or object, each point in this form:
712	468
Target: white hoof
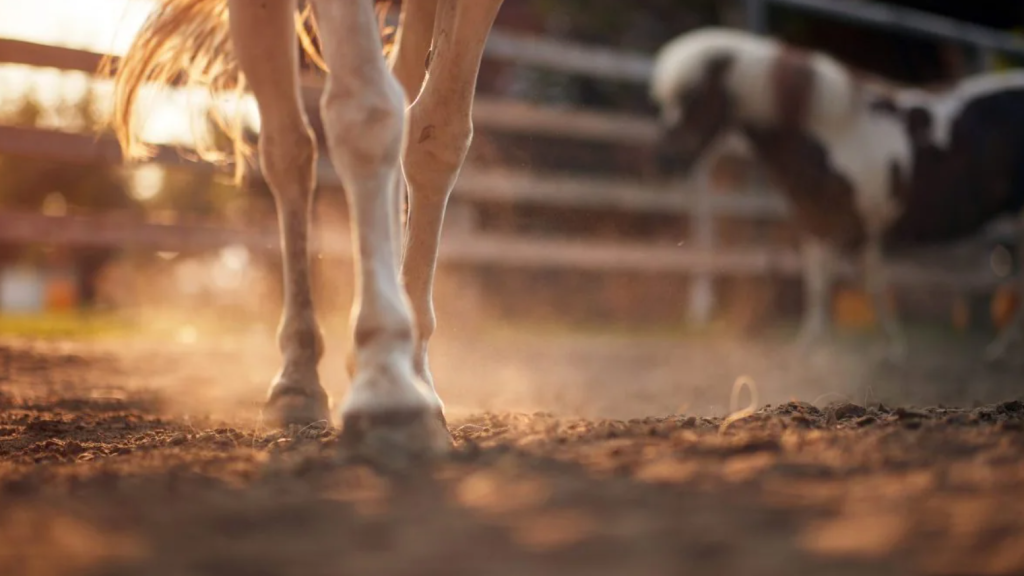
390	414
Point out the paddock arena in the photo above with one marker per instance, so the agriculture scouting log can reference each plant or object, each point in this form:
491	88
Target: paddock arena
595	430
576	453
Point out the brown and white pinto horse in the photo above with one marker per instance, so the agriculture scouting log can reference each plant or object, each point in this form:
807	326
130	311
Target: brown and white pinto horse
865	165
391	404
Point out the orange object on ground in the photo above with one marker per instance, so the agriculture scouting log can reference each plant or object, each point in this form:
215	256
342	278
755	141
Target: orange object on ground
852	308
961	314
1004	303
61	293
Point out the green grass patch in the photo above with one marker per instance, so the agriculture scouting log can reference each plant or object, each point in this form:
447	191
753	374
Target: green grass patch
62	325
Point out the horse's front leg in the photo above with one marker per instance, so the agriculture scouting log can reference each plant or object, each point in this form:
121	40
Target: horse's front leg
263	34
877	284
388	409
816	260
440	132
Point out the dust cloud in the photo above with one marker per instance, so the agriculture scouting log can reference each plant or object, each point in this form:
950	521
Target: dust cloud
209	350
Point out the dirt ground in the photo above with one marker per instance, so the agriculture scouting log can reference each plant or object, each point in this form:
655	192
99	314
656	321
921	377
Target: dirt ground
575	454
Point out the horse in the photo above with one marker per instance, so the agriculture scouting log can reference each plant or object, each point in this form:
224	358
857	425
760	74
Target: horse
867	165
372	129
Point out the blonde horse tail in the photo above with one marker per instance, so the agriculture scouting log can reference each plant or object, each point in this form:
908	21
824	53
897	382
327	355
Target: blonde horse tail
187	43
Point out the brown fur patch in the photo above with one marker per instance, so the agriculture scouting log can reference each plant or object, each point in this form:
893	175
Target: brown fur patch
792	84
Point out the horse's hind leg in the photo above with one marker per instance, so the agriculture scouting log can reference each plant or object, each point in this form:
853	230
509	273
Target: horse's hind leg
264	37
877	284
817	278
1013	332
412	43
440	131
388	407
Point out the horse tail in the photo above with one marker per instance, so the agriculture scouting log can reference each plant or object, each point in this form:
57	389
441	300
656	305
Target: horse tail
187	43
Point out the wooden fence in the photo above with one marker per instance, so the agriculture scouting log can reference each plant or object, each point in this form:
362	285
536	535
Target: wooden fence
897	19
698	257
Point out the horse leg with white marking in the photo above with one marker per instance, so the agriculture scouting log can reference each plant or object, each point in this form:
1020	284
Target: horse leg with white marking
265	41
387	407
817	276
440	131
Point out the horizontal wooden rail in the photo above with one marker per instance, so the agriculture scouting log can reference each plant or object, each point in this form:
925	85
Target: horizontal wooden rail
498	114
511	186
474	249
569	57
512	116
474	184
81	148
918	22
46	56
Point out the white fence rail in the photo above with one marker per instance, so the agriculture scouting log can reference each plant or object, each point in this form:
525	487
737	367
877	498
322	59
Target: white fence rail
894	18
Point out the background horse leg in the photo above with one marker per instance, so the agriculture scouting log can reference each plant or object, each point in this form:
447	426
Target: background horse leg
817	277
440	132
265	42
387	407
876	283
1014	330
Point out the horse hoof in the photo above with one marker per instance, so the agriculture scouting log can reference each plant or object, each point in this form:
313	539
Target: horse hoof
396	436
296	406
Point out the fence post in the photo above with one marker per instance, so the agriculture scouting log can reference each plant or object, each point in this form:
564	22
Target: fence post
702	289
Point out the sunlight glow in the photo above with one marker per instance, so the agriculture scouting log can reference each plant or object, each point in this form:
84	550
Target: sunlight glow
187	334
147	181
97	25
235	257
105	26
55	204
